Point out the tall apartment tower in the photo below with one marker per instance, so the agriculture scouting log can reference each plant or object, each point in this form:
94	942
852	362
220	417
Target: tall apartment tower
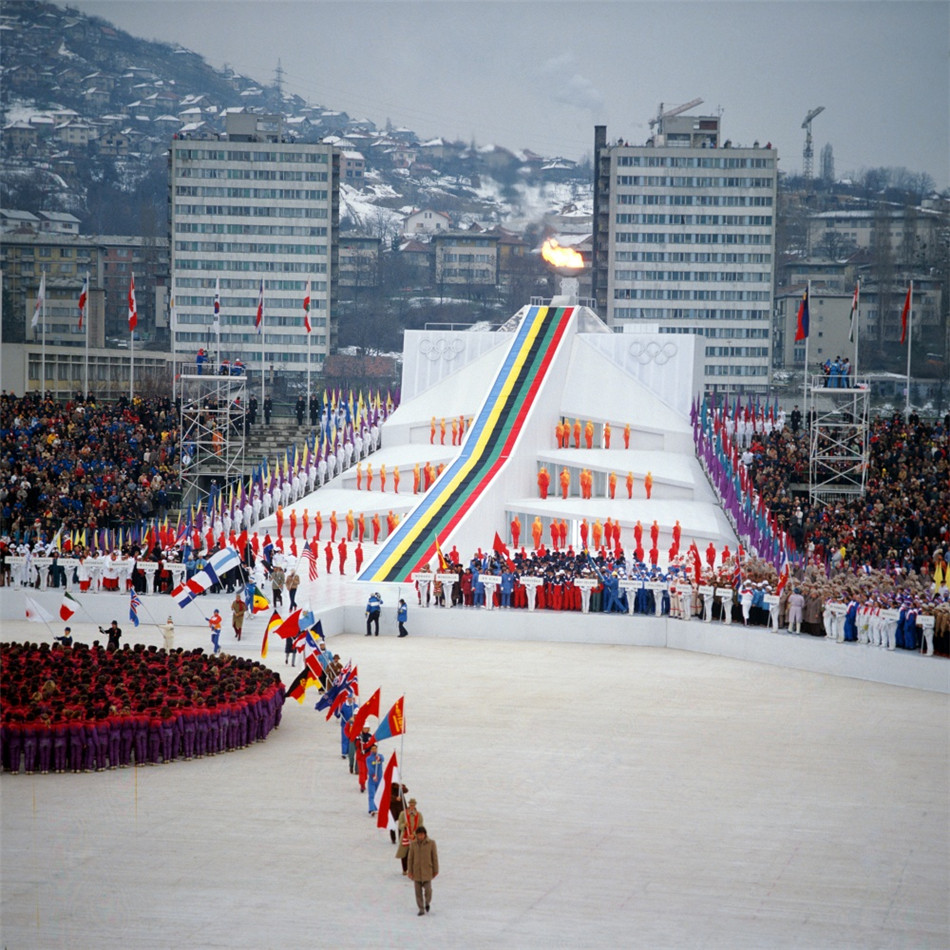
246	207
684	241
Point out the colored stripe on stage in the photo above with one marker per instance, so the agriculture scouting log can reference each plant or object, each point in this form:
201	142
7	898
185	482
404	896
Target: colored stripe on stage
485	452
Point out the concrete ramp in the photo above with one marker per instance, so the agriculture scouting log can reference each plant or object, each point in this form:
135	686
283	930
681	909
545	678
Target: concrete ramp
537	354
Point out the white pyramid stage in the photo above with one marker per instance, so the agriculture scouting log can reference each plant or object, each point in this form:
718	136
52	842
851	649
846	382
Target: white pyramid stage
510	387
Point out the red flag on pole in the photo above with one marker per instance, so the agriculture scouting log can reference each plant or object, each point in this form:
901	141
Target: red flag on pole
133	312
905	313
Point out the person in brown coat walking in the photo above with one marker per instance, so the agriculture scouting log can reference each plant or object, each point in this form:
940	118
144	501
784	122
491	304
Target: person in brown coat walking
423	868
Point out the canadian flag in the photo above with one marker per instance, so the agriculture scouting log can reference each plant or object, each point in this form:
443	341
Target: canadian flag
133	313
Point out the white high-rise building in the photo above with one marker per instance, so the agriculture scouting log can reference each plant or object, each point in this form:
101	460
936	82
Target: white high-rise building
247	207
684	242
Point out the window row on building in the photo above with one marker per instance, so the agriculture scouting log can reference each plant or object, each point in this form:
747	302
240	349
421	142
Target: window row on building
693	181
699	237
258	266
666	293
265	230
256	194
709	276
234	283
252	344
699	201
712	220
249	211
746	352
691	257
693	161
692	313
294	157
251	174
243	247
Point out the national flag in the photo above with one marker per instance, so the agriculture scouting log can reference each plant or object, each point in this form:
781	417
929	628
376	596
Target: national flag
854	312
369	708
443	563
37	614
801	331
311	560
384	816
134	603
316	661
272	624
306	309
68	607
290	627
220	563
40	300
782	577
299	686
259	319
339	700
905	313
83	297
217	298
394	724
133	312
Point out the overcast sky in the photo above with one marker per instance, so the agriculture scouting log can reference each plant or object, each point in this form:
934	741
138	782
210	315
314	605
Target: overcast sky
540	75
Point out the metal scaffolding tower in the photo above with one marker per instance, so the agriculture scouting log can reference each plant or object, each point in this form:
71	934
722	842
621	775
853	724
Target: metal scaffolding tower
212	418
838	438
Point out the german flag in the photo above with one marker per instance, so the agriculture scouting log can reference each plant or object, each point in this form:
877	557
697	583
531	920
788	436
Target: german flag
299	686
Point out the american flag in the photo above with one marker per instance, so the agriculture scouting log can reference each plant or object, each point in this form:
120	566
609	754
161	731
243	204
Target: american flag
311	560
134	604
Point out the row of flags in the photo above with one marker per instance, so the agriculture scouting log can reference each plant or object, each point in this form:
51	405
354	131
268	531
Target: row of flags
259	313
83	301
803	320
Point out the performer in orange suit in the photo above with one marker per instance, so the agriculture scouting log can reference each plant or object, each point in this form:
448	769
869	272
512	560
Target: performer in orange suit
350	525
598	533
306	522
537	530
361	527
359	475
565	482
585	531
562	532
280	521
318	525
293	523
415	479
544	480
612	484
555	534
396	479
333	526
369	476
589	434
442	431
558	433
626	436
455	431
432	431
375	523
630	484
382	477
606	435
577	433
648	484
515	531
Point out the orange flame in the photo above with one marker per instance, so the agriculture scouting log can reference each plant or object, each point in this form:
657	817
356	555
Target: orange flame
559	256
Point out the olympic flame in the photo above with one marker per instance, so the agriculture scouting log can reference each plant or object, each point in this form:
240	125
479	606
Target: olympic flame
558	256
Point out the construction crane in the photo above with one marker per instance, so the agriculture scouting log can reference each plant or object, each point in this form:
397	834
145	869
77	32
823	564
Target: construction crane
676	110
808	153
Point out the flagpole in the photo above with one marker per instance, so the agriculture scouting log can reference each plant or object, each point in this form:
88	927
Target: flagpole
263	364
857	324
43	367
133	309
86	321
910	324
807	335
